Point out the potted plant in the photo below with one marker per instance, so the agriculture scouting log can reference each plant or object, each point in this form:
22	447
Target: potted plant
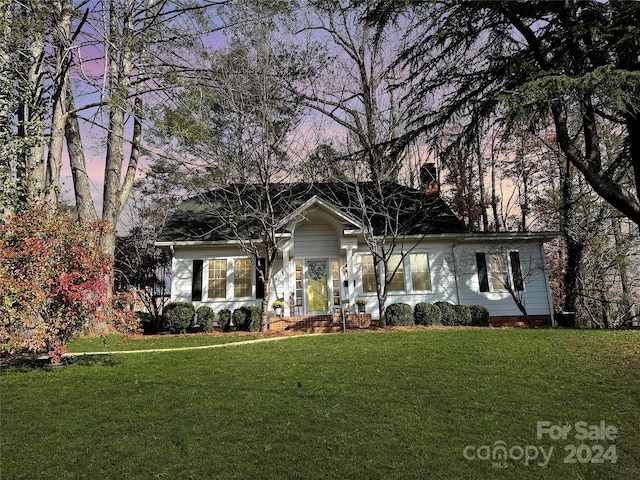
278	305
361	303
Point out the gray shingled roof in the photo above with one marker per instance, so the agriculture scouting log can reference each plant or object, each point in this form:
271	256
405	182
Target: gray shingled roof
219	213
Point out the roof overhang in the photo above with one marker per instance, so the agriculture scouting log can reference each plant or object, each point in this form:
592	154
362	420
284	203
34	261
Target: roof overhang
213	243
476	237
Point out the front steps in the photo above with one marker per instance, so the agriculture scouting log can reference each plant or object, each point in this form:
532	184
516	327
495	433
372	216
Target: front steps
318	323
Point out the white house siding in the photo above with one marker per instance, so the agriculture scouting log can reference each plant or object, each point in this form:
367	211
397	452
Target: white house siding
316	240
536	292
182	270
320	238
442	275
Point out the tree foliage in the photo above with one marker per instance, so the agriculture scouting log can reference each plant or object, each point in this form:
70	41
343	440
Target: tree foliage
234	128
575	63
52	281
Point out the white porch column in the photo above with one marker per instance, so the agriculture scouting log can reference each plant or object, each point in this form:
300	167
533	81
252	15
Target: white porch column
286	281
351	278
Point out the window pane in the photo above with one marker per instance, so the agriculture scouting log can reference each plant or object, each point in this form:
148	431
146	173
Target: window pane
335	273
299	284
499	271
242	278
397	282
217	278
420	277
368	274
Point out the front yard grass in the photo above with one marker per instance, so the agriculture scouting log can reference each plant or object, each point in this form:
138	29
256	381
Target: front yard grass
118	343
369	405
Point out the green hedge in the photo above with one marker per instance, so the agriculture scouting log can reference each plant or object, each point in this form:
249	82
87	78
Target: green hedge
427	314
448	313
247	318
224	319
399	315
178	316
479	316
463	315
206	318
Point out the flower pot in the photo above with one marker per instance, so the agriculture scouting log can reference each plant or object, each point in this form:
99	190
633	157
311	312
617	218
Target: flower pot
362	308
278	311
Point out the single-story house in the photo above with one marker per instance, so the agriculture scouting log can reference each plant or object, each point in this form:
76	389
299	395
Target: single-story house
325	234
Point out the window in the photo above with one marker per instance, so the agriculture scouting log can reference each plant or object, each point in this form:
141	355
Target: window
368	274
420	277
498	271
242	278
217	278
298	284
396	268
335	281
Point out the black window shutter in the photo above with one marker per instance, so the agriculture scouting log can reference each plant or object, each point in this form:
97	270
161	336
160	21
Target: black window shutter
196	284
262	263
483	278
516	271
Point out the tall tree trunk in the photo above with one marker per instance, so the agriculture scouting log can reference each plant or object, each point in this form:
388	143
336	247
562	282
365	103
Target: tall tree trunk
30	113
62	13
494	196
621	264
574	244
81	184
483	199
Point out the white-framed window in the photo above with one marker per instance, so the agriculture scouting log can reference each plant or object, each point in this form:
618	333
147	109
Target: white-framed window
413	268
242	278
412	273
368	273
420	274
230	277
396	264
217	286
499	271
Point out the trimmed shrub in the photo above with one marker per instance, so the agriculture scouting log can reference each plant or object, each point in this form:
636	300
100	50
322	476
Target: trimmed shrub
254	315
399	315
448	313
224	320
206	318
427	314
178	316
247	319
463	315
479	316
239	318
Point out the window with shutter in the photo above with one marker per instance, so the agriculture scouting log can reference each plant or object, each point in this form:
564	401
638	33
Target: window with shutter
498	271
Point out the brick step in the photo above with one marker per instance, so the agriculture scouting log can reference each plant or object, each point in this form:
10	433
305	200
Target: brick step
318	323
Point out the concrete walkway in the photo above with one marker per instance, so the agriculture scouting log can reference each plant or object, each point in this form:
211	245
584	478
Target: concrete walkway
179	349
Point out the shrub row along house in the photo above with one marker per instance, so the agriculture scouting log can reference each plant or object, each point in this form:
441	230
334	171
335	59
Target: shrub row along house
324	248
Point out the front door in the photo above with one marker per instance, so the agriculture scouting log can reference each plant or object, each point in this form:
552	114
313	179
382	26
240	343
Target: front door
317	286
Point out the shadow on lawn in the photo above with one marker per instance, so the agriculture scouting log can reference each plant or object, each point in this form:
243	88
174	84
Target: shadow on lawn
27	363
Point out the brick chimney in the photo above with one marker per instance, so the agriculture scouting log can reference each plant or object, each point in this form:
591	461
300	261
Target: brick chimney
429	180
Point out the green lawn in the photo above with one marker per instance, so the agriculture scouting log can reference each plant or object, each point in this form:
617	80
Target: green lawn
117	343
368	405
